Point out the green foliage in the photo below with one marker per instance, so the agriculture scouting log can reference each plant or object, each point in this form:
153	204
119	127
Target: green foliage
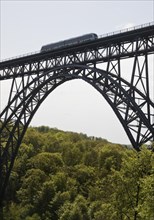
47	162
72	156
68	176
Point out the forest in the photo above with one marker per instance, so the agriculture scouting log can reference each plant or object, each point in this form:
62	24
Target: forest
61	175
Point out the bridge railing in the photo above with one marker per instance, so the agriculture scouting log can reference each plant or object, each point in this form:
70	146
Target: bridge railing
19	56
100	36
127	29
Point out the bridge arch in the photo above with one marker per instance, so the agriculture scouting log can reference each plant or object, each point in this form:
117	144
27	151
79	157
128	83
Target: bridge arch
115	90
23	106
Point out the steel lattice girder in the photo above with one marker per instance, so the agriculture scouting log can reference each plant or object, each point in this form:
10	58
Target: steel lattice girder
97	52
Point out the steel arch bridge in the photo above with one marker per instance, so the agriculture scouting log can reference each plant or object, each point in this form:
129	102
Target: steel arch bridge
99	63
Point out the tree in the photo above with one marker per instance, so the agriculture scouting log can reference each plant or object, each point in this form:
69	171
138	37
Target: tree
75	211
50	163
85	177
131	185
72	156
31	186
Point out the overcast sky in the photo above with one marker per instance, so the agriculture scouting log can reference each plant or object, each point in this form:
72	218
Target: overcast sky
73	106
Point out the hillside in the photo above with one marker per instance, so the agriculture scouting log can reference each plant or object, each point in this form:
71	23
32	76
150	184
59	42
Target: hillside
69	176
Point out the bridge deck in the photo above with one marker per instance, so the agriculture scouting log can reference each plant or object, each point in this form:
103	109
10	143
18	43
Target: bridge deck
108	39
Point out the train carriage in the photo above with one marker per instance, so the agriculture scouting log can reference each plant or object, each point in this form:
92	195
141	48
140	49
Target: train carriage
70	42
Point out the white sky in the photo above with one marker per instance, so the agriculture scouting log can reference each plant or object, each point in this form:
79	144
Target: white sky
75	105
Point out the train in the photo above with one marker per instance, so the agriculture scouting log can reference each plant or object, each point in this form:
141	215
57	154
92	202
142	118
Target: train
70	42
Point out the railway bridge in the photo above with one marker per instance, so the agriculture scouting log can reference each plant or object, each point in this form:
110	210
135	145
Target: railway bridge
128	88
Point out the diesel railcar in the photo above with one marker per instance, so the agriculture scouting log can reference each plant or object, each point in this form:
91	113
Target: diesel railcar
70	42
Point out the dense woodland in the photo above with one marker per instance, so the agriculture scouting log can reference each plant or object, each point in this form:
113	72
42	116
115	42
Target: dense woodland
68	176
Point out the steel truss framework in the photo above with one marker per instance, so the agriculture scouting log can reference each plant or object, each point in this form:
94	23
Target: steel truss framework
34	78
